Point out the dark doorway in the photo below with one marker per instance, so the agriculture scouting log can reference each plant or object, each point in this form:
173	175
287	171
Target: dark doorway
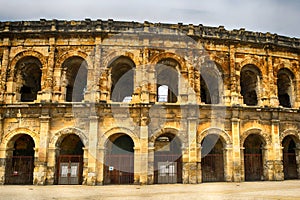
289	158
253	158
167	159
70	161
119	160
20	165
212	162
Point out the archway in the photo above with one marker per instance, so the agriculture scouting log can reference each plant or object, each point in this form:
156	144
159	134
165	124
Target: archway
167	159
212	161
249	81
285	87
70	160
28	78
20	160
253	158
119	160
122	72
289	158
75	72
167	80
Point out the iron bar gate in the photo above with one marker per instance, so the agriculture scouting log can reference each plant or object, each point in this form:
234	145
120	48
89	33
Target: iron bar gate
212	168
253	167
119	168
290	166
19	170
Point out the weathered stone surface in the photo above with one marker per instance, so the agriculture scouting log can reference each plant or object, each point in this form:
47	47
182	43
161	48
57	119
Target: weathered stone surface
99	80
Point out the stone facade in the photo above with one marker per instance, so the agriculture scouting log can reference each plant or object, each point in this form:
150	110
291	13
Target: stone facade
162	93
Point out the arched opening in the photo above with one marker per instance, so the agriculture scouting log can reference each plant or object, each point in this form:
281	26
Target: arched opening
210	82
122	79
119	160
20	161
28	78
285	87
289	158
167	80
253	158
167	159
212	161
70	160
75	70
249	80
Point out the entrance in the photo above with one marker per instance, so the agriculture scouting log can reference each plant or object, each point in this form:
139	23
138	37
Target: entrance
289	158
253	159
167	159
70	161
212	162
119	160
20	165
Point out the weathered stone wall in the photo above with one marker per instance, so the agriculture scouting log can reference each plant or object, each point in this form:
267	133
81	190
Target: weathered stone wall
186	49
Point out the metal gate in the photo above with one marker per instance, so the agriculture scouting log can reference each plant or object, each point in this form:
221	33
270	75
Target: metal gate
119	169
19	170
70	169
290	166
169	168
253	167
212	168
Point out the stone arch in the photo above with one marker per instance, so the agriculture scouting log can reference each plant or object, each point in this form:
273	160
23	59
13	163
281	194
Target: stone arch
250	61
10	135
113	56
116	130
27	53
286	87
169	55
257	131
157	133
58	137
290	132
77	53
225	138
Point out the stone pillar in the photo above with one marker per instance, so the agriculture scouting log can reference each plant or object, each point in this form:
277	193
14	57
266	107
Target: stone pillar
92	151
137	165
47	79
236	98
6	82
51	165
199	167
228	171
41	174
100	166
85	172
297	151
276	157
236	150
273	102
143	155
151	167
57	87
2	165
192	149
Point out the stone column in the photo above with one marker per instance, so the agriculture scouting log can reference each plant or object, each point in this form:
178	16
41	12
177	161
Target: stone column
51	165
43	150
192	149
2	165
92	151
297	151
228	171
85	172
234	78
236	150
273	102
151	167
100	166
143	155
137	165
6	81
276	157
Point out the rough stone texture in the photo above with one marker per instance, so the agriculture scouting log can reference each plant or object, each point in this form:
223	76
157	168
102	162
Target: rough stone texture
190	52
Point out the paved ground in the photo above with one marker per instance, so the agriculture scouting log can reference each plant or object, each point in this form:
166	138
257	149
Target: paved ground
245	190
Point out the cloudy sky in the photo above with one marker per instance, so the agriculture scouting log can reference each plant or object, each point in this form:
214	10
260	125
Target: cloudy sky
275	16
